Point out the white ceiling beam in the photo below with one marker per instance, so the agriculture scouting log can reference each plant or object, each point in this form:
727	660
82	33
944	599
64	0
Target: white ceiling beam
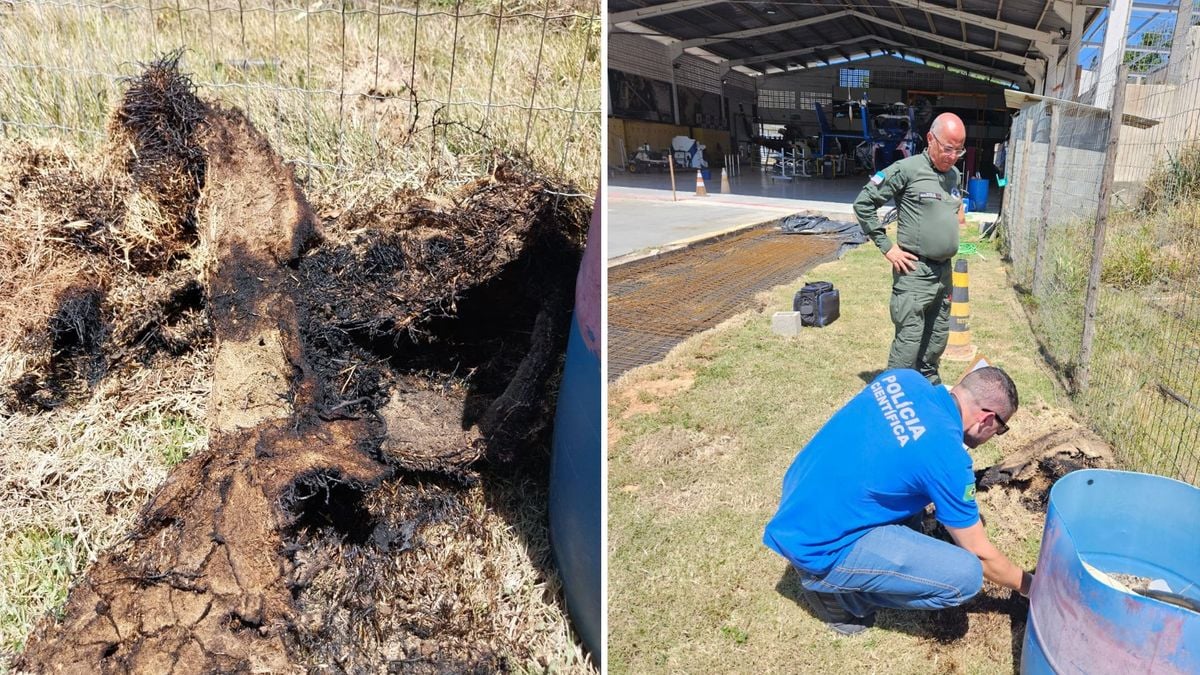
999	26
777	56
999	55
949	60
1063	9
1156	50
658	10
765	30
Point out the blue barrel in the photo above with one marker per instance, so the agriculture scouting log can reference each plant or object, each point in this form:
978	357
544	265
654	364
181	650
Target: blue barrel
977	188
575	523
1125	523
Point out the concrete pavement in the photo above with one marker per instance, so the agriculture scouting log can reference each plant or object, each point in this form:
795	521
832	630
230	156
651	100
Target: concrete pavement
643	219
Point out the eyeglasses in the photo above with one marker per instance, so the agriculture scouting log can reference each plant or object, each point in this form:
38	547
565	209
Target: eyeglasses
1003	425
958	152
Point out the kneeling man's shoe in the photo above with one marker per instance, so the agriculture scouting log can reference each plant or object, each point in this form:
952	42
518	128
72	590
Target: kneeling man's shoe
828	609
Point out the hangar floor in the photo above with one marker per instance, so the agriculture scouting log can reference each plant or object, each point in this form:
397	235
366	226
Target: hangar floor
642	218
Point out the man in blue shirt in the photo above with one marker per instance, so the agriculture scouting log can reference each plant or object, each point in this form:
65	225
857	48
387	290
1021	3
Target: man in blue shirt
893	449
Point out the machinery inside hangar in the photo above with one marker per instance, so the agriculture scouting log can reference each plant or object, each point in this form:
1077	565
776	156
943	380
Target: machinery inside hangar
822	90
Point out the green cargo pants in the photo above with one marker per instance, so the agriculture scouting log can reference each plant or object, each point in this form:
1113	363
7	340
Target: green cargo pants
920	310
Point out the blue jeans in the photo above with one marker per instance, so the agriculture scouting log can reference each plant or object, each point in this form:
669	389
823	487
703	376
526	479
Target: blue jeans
896	567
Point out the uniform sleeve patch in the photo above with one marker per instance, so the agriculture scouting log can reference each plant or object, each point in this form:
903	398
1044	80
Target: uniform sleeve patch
969	493
877	179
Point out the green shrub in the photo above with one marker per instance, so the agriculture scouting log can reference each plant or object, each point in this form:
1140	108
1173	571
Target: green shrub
1177	181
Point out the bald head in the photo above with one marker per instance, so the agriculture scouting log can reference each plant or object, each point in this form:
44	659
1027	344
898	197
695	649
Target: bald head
949	127
993	389
946	138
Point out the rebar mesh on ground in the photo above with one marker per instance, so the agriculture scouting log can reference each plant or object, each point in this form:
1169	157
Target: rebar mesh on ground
656	303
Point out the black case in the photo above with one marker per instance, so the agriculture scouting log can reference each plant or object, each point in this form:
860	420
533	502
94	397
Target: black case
819	304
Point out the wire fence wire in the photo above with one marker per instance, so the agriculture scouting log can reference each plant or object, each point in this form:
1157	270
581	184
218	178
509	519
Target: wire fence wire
342	90
1139	384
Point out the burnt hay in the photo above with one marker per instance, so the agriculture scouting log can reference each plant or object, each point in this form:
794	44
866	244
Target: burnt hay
447	299
163	119
1032	470
360	376
129	228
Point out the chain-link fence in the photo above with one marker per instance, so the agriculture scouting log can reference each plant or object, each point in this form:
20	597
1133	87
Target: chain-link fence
1104	237
344	90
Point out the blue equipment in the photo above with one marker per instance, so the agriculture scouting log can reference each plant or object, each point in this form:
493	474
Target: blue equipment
1099	523
575	466
876	149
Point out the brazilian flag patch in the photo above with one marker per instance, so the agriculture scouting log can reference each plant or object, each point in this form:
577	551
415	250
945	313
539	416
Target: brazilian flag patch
969	493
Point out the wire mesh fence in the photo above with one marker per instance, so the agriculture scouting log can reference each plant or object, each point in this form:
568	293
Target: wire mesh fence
343	90
1137	375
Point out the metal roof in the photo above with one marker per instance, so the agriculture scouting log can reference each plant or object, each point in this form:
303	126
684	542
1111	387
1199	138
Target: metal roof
1008	39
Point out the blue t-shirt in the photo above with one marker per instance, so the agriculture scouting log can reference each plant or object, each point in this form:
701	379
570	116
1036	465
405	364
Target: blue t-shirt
890	451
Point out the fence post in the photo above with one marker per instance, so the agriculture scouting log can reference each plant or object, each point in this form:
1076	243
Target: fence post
1106	179
1022	207
1047	188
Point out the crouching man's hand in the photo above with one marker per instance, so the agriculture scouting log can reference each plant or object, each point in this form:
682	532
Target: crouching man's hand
996	567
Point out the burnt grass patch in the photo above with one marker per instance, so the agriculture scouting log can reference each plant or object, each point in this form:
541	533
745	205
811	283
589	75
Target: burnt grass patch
371	373
123	226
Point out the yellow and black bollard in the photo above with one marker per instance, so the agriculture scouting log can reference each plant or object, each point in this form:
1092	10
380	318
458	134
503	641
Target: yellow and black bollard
959	347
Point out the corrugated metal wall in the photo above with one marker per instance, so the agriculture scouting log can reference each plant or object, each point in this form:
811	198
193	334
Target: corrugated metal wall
640	56
698	74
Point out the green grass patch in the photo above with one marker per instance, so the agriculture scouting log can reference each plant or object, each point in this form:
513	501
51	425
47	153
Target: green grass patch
735	635
181	435
39	564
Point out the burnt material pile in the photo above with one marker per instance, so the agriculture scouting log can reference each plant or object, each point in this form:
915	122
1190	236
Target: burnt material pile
359	374
111	279
1034	469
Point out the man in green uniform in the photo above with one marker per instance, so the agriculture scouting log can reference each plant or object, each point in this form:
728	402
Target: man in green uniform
929	202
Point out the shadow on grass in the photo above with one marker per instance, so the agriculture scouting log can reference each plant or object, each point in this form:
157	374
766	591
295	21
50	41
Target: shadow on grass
868	376
942	627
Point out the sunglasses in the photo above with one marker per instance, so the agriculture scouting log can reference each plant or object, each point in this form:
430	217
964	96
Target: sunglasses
1003	425
958	152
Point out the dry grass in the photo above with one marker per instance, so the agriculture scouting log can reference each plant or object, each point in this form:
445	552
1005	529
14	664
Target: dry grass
75	478
694	475
363	96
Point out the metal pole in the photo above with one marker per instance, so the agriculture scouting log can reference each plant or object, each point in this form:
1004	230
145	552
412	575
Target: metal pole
1047	188
1093	287
671	166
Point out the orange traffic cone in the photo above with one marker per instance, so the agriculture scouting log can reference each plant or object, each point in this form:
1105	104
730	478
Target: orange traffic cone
725	182
700	190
